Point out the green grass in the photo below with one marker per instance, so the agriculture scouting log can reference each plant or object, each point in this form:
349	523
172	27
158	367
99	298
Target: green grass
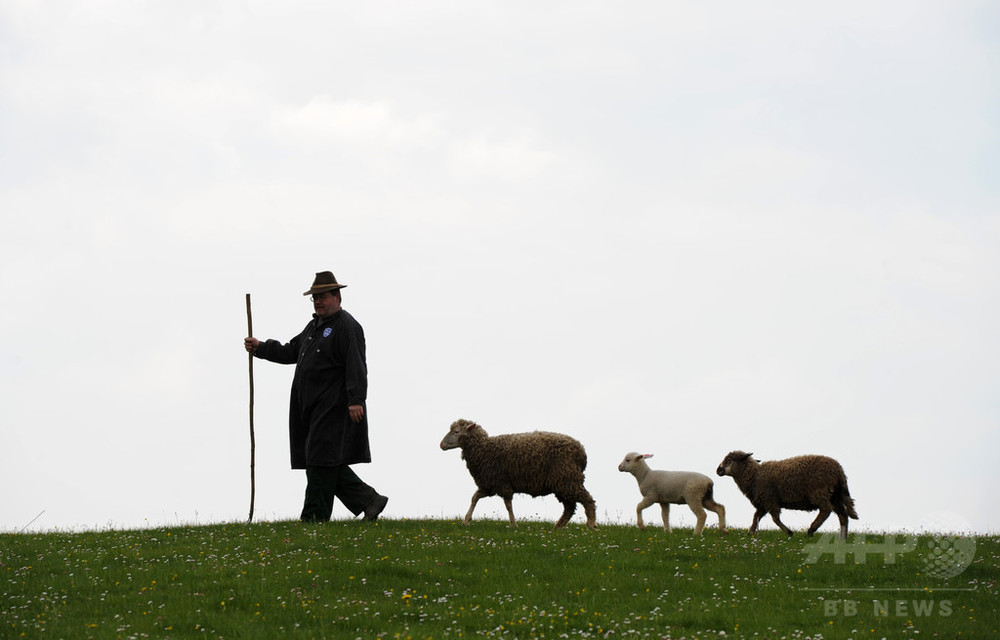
441	579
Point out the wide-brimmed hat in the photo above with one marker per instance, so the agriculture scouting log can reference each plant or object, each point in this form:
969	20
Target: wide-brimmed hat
324	282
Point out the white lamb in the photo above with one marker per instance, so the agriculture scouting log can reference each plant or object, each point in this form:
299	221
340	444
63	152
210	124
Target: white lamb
673	487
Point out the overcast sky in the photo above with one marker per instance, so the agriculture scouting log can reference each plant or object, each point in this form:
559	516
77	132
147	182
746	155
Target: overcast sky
670	227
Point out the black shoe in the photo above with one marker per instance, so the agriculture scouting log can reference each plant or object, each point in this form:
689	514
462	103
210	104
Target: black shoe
375	508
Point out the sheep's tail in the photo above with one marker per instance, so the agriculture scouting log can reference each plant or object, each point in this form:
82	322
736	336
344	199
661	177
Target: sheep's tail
577	455
849	506
848	502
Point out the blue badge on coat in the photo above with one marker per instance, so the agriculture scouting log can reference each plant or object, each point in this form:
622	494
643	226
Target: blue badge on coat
327	332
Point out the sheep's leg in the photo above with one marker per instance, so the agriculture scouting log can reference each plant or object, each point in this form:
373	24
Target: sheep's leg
824	513
699	513
569	502
756	519
646	502
777	521
569	507
472	507
665	514
842	515
719	510
590	509
508	502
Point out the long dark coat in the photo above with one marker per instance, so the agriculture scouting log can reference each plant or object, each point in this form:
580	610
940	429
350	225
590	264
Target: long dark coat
330	375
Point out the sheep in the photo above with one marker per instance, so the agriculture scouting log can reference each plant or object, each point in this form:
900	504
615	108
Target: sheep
804	483
673	487
537	463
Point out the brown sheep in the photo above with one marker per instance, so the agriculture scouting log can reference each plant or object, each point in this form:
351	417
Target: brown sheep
804	483
537	463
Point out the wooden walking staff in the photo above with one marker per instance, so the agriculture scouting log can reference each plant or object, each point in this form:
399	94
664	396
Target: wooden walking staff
253	444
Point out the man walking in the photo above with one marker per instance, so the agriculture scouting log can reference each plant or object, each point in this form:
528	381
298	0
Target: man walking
327	419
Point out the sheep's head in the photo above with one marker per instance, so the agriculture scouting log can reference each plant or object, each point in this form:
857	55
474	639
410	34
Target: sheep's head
732	459
459	431
631	460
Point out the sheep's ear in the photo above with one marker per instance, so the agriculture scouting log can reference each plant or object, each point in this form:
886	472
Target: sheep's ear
646	455
470	427
746	456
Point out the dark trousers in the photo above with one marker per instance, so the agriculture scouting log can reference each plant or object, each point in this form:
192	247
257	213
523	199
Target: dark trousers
323	484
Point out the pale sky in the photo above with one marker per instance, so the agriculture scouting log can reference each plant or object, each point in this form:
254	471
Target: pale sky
670	227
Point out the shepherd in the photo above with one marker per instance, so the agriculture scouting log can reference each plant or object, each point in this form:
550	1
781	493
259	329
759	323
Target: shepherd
327	418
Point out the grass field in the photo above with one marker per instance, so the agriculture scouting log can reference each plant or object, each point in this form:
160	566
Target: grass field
441	579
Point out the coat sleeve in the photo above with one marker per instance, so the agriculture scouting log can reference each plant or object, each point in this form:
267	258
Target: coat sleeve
356	368
274	351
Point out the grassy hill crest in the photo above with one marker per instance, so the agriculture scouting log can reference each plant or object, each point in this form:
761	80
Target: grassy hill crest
442	579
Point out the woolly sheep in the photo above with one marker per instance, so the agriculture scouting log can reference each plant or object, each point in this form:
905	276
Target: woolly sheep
804	483
537	463
672	487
